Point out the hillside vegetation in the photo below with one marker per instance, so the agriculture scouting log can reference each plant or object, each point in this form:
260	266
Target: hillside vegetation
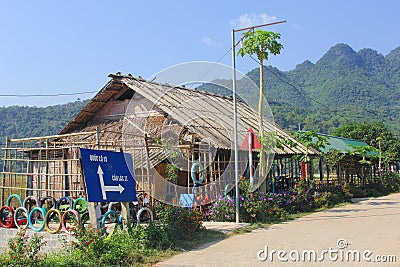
24	121
343	86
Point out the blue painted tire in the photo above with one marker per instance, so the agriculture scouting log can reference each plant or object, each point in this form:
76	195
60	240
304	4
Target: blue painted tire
193	173
14	196
61	199
107	214
43	212
226	191
195	185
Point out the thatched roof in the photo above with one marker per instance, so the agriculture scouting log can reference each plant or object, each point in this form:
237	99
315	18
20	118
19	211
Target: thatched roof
206	114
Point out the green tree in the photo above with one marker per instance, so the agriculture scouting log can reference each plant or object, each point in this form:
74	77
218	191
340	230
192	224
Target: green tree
261	43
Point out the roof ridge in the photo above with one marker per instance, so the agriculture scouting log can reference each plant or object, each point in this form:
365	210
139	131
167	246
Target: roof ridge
119	75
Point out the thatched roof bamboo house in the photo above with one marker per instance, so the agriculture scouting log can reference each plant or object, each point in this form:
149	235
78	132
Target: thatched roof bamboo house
160	125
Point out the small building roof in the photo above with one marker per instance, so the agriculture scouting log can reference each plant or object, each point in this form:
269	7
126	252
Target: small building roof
344	145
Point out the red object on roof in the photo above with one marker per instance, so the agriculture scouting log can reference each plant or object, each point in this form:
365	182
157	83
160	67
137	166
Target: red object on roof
256	142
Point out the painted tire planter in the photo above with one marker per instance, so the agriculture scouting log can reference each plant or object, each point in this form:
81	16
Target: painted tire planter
195	186
6	217
66	219
270	182
43	201
226	191
201	198
140	213
193	173
8	201
65	199
110	213
38	214
80	205
85	218
113	217
53	216
28	202
20	221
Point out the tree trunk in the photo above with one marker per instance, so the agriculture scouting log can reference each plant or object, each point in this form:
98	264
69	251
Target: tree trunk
262	172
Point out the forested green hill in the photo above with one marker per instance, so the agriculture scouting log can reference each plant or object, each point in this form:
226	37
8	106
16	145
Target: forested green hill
24	121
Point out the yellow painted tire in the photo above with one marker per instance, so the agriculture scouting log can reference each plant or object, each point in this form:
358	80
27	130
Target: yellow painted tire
48	218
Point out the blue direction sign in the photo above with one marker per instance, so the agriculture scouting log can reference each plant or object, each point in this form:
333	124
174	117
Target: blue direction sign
108	176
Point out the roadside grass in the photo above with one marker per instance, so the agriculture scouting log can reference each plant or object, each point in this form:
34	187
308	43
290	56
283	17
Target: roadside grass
290	217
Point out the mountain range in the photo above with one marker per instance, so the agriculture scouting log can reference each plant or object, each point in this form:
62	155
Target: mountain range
343	86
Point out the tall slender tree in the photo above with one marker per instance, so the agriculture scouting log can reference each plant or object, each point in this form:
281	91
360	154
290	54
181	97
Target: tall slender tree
261	43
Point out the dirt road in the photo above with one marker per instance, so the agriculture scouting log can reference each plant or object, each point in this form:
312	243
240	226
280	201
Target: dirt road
366	233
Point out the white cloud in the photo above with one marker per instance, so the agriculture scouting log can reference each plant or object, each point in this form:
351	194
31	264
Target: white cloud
248	20
210	42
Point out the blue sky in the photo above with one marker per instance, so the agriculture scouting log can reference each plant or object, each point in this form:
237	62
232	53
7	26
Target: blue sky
63	47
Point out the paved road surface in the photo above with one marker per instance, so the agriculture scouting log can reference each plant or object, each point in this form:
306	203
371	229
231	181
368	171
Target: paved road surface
369	228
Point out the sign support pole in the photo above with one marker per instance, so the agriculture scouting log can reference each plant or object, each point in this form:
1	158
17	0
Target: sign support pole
92	216
126	220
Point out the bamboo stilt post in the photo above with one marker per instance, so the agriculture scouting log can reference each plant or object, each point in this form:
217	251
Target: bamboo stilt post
189	151
3	180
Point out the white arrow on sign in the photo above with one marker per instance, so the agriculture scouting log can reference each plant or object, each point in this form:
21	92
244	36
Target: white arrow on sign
110	188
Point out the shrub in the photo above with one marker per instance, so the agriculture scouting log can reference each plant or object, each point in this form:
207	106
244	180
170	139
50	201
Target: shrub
23	251
153	236
93	248
270	207
223	210
178	222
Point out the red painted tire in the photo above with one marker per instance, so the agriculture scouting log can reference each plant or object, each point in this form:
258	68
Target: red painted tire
7	217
